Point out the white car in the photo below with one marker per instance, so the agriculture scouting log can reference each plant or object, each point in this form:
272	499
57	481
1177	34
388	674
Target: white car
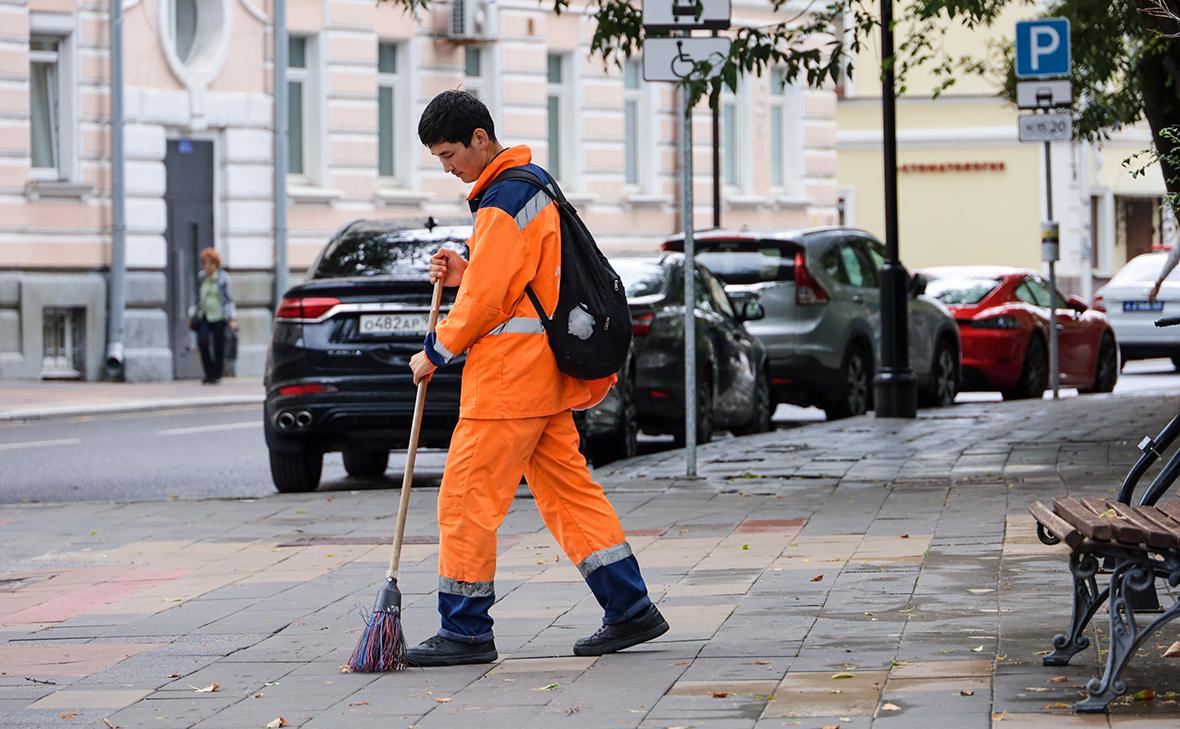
1124	299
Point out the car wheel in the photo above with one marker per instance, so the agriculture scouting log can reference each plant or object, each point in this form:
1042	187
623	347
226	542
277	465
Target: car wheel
296	471
1106	367
704	415
624	441
857	385
1034	376
944	378
366	464
760	419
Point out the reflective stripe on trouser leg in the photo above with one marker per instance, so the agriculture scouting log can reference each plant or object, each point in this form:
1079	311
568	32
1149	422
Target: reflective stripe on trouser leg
483	470
583	521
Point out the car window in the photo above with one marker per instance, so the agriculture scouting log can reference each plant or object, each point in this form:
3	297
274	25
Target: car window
876	254
747	261
704	301
1034	292
833	266
641	277
869	264
364	251
718	296
964	290
853	265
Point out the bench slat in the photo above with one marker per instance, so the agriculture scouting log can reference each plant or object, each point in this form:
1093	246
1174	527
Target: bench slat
1155	535
1057	526
1162	520
1125	531
1082	518
1171	508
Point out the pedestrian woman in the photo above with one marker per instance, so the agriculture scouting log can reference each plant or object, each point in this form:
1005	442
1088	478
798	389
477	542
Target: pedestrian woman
215	311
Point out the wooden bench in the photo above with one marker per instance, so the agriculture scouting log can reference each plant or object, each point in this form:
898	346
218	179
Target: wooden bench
1143	544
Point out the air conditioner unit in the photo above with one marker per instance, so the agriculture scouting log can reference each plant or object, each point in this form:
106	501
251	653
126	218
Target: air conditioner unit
472	20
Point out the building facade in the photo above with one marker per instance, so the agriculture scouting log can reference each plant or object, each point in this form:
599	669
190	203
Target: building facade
971	193
199	163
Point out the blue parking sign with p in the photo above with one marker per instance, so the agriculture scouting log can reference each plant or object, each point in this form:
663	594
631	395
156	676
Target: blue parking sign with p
1042	48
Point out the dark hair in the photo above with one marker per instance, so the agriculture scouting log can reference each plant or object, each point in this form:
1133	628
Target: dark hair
453	116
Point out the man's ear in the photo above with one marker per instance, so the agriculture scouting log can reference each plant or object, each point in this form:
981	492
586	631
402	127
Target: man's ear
479	139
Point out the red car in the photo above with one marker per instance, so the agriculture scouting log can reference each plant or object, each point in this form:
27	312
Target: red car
1003	318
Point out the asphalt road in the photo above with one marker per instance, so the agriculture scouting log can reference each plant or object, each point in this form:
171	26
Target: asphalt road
219	452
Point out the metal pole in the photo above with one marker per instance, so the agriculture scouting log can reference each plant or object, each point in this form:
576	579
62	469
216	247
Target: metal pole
280	149
690	330
896	385
716	162
1054	368
117	298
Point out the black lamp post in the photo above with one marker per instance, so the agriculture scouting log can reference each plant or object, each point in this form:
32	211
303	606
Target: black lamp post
896	385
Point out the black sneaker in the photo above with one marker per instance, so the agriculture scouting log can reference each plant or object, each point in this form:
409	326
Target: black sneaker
440	651
610	638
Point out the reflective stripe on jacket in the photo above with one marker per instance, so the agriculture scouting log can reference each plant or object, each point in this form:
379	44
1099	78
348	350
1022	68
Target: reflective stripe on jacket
510	371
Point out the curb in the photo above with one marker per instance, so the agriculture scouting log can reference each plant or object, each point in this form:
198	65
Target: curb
135	406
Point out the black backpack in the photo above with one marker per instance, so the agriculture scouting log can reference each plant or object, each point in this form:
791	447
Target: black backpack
590	331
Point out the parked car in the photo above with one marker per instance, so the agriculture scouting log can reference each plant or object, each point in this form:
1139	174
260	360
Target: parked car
336	372
822	327
733	388
1124	300
1003	319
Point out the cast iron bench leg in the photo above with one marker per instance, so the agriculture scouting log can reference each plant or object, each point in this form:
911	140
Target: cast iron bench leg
1086	601
1125	636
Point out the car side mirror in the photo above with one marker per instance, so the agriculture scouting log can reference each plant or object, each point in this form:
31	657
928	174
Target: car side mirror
1077	304
918	285
750	311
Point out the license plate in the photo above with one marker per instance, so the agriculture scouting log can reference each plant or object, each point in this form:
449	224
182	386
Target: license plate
394	324
1143	306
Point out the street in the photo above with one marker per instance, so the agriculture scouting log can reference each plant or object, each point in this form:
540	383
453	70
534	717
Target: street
216	452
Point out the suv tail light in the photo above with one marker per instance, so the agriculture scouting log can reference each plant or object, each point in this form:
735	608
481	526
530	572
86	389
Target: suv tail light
807	289
311	388
1099	303
309	308
641	324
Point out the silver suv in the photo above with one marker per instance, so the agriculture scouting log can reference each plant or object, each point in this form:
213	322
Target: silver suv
822	328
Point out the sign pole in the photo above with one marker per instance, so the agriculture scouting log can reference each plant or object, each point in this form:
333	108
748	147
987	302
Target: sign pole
690	329
1054	354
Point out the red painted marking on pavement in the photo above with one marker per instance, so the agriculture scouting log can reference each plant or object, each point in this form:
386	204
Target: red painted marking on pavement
646	532
86	598
771	525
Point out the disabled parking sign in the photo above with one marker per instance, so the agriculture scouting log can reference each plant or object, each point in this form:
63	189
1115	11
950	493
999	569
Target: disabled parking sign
1042	48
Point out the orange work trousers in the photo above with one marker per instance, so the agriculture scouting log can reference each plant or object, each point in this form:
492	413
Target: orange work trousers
484	466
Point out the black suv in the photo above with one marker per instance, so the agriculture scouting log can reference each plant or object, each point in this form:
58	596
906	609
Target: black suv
337	375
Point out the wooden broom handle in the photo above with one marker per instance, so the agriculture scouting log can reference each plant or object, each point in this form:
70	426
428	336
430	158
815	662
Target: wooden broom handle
412	452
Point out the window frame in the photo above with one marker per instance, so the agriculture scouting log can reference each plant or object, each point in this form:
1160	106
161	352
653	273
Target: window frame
787	100
633	97
740	154
62	30
396	81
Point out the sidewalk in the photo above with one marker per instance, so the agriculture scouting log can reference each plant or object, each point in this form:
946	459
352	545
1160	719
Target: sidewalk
39	399
854	574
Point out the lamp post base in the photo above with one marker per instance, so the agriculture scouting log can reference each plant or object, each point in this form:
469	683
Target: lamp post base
895	393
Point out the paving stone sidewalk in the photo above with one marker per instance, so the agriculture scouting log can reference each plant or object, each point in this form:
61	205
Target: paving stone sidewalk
41	399
859	573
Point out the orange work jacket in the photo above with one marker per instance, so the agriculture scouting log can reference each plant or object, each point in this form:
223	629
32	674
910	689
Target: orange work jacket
510	372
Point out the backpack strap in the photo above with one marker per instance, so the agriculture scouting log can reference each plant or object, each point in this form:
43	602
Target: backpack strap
521	175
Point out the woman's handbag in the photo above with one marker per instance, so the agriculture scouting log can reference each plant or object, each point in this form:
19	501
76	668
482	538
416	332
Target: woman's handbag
194	321
231	343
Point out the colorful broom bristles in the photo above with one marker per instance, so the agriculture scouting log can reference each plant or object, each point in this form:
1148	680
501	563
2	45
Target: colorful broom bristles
382	647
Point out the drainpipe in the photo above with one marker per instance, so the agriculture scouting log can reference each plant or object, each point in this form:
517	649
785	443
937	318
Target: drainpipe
118	294
280	150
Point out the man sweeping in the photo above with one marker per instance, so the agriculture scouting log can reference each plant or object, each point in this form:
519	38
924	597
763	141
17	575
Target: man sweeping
515	409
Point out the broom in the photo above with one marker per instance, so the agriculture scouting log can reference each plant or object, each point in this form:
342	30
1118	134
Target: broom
382	645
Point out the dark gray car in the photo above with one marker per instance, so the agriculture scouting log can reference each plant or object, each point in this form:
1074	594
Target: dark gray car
822	327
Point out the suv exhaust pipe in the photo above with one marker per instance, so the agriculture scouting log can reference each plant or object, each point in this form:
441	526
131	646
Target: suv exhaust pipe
302	419
285	421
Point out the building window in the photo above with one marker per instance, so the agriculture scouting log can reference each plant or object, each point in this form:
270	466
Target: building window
184	27
62	344
388	93
556	108
730	155
786	133
473	72
303	109
45	103
632	101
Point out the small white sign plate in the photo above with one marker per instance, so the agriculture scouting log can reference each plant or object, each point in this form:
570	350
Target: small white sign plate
1043	94
1045	127
682	15
673	59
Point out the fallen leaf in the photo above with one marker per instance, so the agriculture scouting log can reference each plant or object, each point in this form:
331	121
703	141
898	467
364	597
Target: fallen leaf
1036	689
1059	679
1058	705
359	703
173	599
831	726
890	707
977	649
548	687
1145	695
442	700
1173	650
277	723
207	690
903	536
681	663
817	578
344	668
1109	514
745	547
720	694
967	692
258	695
999	715
67	715
899	663
868	614
174	675
760	663
842	675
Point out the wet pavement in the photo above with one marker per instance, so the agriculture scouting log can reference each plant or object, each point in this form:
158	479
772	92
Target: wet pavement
859	573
